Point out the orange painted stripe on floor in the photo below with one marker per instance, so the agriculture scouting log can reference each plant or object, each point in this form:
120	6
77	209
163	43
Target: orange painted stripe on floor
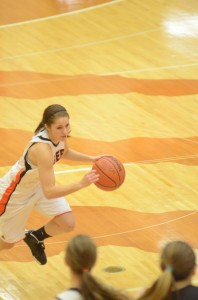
6	196
12	11
136	149
35	85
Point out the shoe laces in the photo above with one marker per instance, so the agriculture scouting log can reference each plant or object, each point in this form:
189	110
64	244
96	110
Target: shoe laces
40	244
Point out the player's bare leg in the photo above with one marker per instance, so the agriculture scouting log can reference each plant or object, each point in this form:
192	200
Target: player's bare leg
34	238
60	224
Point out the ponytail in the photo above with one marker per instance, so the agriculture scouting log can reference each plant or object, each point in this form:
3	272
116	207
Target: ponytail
161	288
81	254
178	261
39	127
92	289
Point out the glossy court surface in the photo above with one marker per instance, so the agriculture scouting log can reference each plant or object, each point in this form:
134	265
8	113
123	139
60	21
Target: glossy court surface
127	73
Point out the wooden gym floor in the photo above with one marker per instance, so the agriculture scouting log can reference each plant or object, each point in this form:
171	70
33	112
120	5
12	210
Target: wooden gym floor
127	73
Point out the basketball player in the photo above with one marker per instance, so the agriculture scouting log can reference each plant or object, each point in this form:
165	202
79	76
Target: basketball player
31	184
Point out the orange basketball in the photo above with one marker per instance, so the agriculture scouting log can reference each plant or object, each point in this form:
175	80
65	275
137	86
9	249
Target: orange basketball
112	173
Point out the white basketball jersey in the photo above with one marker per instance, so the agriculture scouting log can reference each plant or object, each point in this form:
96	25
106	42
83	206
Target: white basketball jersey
23	179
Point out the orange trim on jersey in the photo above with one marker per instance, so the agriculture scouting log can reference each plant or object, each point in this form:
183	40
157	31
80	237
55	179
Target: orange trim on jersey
6	196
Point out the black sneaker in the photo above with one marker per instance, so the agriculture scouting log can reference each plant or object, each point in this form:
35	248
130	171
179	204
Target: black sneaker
37	247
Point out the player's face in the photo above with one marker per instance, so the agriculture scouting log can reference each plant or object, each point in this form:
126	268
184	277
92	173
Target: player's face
59	130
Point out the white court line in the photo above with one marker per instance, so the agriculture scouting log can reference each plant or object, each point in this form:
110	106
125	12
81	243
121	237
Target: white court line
134	163
60	15
125	232
122	37
100	74
152	69
72	170
128	231
188	140
130	164
146	227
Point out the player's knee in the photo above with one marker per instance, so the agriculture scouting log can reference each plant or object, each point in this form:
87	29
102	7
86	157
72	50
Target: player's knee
66	222
70	226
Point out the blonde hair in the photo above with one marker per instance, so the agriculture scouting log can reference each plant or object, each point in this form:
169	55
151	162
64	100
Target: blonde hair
177	263
81	255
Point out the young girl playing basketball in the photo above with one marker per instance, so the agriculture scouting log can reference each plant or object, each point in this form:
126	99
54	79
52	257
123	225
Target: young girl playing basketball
31	184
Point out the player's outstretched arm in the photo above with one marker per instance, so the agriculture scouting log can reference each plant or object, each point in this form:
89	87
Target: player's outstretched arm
71	154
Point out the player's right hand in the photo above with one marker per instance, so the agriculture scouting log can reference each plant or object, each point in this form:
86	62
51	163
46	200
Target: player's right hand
89	178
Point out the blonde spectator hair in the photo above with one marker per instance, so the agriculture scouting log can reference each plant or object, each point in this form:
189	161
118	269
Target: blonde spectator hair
177	263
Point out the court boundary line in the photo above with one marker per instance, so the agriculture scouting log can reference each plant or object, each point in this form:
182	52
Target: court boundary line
125	232
100	74
90	44
133	230
189	140
61	15
146	227
153	69
157	160
128	231
121	72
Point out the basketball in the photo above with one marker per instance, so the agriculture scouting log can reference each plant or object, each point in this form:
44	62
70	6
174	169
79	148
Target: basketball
112	173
